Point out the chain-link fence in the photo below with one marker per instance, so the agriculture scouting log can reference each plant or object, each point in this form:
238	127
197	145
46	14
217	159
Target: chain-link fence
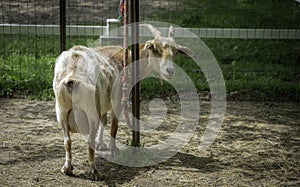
255	42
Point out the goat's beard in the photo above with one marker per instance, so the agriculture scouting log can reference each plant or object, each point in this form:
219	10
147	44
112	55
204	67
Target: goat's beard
165	76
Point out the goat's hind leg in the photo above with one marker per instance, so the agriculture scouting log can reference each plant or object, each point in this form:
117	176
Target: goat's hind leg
93	172
113	133
67	168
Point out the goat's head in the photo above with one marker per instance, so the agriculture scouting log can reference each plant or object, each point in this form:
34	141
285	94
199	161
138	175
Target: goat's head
162	50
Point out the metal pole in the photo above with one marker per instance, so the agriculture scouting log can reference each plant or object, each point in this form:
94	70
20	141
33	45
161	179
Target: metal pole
62	13
134	10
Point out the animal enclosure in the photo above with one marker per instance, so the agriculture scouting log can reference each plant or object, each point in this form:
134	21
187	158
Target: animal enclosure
256	44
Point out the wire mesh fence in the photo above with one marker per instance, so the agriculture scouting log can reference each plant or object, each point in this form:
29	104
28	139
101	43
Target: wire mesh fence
256	43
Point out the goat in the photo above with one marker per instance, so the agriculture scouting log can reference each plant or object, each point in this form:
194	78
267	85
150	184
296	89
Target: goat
83	82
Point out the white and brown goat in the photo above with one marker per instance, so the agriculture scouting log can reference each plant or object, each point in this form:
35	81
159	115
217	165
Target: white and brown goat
83	88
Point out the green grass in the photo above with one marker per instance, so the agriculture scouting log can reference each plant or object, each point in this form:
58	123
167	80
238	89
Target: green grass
26	75
270	68
27	70
252	69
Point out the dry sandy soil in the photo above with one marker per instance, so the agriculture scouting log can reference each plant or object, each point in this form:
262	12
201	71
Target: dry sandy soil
259	145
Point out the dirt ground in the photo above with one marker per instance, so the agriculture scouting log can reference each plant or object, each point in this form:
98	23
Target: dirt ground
259	145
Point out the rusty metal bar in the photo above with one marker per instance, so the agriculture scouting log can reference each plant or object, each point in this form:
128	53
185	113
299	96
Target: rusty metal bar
134	10
125	60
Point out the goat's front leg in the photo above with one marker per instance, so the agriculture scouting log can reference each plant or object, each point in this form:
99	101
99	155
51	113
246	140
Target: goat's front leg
113	134
100	144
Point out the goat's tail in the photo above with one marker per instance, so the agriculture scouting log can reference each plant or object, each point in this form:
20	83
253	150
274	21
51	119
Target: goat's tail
70	82
78	84
73	70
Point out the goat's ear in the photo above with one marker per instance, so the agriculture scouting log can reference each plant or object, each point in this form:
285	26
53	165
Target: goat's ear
149	45
185	50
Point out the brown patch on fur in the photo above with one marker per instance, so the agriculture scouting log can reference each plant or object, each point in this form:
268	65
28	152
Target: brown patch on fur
116	54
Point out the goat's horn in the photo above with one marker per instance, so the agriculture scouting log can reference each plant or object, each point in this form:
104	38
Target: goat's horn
171	32
156	33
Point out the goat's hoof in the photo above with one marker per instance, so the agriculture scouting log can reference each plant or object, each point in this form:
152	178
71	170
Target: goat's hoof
67	170
94	175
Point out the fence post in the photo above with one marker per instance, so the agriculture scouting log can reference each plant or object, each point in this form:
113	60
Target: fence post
134	10
62	19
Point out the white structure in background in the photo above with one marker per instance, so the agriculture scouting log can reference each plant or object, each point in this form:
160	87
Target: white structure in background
111	24
110	37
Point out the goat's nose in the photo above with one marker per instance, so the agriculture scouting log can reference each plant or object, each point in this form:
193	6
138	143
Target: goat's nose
170	71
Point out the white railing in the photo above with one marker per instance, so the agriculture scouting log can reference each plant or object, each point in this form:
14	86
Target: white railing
88	30
51	29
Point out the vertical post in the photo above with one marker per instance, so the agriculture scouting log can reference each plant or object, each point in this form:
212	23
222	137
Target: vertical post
134	10
125	60
62	19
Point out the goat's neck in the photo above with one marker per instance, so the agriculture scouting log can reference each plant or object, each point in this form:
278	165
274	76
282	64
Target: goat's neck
146	68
